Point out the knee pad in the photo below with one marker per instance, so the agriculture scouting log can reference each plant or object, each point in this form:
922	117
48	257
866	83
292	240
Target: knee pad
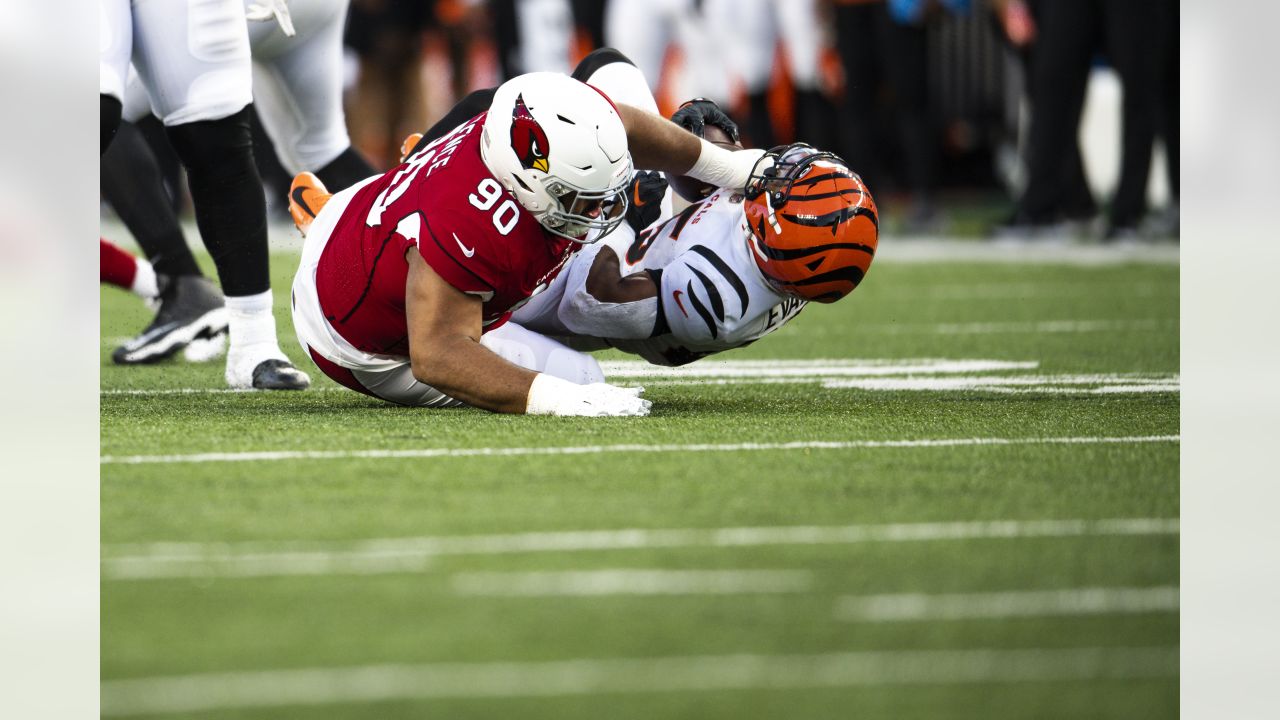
613	74
597	59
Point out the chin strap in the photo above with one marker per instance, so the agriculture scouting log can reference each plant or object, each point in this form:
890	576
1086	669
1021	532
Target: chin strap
268	10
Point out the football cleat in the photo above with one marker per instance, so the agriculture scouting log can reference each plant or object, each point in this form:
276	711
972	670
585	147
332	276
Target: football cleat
307	197
204	349
410	142
190	308
279	375
813	225
264	371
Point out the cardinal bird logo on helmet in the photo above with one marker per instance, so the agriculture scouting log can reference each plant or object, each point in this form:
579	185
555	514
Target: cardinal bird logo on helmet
528	138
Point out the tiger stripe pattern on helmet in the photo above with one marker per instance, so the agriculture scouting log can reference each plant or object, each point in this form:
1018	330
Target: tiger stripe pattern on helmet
814	225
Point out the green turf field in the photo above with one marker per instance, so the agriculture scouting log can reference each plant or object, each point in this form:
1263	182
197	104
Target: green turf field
954	494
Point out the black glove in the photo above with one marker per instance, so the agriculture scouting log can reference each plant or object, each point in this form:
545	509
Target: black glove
645	199
698	113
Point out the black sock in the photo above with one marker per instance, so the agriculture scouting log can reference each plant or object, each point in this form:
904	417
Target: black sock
231	211
108	121
345	170
175	179
132	183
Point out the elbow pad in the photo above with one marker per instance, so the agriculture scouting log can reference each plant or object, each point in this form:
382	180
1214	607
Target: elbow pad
584	315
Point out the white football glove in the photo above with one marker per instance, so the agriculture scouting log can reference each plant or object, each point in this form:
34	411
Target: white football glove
549	395
268	10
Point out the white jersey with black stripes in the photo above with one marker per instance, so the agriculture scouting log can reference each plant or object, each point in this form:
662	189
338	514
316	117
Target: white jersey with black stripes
711	295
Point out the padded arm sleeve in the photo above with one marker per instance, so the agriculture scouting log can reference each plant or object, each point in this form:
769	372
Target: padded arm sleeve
585	315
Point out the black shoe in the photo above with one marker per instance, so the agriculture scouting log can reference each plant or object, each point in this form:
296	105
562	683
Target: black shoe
279	375
190	307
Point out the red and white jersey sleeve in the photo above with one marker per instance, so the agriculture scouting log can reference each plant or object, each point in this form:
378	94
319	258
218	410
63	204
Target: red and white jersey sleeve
444	202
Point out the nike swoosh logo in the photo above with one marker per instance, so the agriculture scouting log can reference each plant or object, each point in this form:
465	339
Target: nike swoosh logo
148	337
297	198
679	304
465	250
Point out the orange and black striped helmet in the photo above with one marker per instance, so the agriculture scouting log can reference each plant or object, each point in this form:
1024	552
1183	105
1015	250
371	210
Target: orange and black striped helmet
814	226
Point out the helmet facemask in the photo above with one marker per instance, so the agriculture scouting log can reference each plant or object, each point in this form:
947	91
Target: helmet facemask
576	213
813	226
559	146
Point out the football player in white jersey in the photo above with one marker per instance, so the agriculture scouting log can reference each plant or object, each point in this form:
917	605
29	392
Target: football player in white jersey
723	272
297	83
193	57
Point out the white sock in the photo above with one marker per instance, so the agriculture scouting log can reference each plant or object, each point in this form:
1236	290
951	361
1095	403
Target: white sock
252	327
144	281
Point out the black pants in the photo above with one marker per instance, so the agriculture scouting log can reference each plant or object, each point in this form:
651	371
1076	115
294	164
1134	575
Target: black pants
1071	34
884	60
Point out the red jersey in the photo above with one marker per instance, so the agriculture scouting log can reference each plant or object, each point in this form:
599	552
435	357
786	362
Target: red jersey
467	227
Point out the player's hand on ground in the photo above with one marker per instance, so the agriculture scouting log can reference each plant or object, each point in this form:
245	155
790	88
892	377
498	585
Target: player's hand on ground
552	396
645	199
698	113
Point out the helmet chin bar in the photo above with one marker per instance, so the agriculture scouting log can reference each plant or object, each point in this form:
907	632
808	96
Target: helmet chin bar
789	163
569	216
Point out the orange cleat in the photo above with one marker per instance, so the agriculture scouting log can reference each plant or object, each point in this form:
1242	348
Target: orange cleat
307	197
407	146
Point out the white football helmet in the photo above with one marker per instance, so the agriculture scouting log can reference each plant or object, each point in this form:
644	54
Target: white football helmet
558	145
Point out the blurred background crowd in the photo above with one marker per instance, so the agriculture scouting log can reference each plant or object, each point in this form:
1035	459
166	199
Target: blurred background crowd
1014	120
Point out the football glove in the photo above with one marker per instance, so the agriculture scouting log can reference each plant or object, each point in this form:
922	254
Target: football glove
698	113
645	194
550	395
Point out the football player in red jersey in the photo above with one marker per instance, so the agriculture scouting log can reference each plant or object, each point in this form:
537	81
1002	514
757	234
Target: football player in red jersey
405	275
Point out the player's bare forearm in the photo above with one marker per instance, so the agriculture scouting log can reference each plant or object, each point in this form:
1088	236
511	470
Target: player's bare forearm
657	143
459	366
444	344
606	283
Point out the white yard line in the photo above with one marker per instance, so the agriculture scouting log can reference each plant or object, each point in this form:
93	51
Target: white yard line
149	561
1014	384
584	677
206	391
1029	327
1039	603
629	581
712	368
378	454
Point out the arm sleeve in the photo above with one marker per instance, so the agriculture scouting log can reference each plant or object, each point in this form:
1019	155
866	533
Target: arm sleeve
583	314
